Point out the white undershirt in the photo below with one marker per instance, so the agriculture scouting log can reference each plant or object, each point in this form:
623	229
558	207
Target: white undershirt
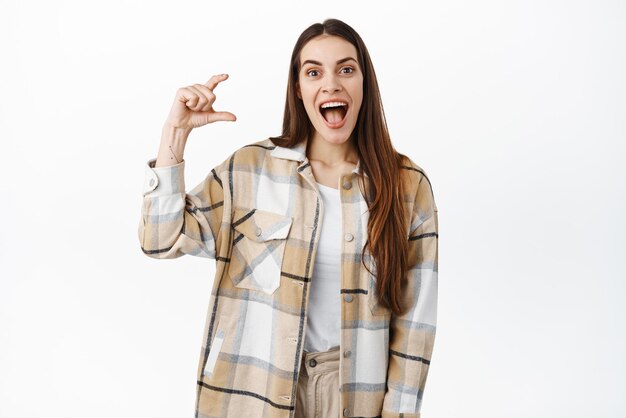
324	315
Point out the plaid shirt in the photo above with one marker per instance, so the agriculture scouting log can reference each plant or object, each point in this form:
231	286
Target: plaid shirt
258	214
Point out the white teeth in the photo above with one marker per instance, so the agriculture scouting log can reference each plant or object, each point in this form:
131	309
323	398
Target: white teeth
333	104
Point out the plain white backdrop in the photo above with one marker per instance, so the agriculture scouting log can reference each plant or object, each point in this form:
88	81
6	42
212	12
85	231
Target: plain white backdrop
515	109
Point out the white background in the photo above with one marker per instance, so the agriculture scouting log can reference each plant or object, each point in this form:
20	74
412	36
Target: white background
515	109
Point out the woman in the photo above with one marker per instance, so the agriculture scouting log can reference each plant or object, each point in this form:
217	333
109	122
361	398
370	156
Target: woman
325	240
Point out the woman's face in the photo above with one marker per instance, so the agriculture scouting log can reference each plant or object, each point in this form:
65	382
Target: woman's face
330	85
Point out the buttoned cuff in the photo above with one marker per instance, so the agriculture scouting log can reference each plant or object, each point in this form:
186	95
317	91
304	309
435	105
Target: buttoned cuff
161	181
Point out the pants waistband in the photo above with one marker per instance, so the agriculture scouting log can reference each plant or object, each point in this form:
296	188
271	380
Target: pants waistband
315	362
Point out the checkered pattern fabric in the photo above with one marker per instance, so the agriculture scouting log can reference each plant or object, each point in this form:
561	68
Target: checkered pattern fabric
258	215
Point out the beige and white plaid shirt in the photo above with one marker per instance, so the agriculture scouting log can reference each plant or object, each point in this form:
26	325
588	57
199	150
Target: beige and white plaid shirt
258	214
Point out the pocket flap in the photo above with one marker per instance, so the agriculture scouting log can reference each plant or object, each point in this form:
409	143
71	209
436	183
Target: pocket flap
259	225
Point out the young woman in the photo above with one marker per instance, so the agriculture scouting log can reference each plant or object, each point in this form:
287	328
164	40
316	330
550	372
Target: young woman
324	302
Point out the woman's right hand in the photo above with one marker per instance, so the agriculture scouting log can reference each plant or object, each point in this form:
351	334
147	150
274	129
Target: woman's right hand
193	105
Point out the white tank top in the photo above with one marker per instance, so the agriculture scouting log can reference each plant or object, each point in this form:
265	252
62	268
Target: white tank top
324	315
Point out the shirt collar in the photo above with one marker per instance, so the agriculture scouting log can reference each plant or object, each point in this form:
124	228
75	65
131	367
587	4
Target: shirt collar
298	153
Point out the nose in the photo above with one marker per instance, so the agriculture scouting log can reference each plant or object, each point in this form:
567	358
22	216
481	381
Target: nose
331	84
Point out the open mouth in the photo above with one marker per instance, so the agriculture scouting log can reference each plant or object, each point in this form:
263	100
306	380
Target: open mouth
334	113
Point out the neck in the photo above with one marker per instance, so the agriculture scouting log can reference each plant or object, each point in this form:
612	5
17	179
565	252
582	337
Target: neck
318	149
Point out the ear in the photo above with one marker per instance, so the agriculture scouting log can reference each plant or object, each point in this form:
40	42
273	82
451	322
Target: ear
298	90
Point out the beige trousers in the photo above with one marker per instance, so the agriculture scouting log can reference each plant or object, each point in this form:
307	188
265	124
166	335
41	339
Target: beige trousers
318	385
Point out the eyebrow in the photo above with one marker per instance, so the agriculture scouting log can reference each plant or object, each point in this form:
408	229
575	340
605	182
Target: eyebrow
319	63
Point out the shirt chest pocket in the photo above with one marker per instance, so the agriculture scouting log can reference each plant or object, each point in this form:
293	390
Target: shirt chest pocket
259	242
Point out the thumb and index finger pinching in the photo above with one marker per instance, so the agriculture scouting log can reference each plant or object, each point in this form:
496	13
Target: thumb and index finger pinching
211	84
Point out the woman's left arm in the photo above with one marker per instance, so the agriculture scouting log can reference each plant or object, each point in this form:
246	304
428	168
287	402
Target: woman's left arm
412	335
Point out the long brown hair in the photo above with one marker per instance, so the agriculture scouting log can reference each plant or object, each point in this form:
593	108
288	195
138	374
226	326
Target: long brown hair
387	239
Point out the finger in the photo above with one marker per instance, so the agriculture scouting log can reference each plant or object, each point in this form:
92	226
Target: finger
202	99
213	81
193	100
225	116
184	94
188	96
208	94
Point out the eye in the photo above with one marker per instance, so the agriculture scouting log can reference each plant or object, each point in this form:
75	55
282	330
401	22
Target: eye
348	68
311	71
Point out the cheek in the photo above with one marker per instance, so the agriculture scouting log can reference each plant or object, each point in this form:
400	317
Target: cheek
359	85
356	89
308	101
309	108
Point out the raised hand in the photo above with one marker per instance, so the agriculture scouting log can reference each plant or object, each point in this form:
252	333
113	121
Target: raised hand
193	105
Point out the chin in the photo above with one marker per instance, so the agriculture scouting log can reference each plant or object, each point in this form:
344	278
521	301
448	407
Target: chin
335	137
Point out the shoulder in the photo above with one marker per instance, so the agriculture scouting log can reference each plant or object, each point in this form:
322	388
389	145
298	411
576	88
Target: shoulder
250	154
414	174
258	148
254	150
418	185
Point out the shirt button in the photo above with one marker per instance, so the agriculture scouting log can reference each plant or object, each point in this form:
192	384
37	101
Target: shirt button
257	231
347	298
151	182
347	353
348	237
346	412
312	363
347	185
